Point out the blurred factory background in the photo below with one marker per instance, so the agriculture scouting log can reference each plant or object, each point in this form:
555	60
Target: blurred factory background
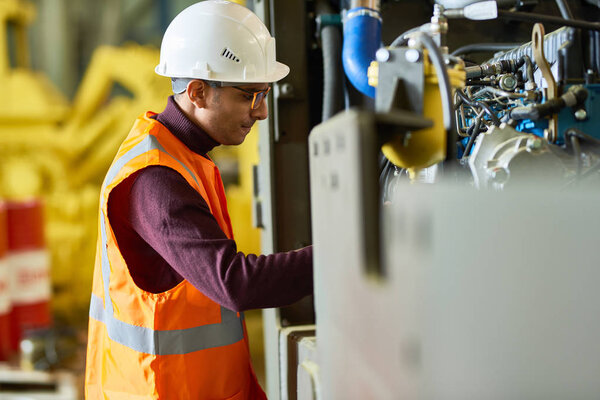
442	156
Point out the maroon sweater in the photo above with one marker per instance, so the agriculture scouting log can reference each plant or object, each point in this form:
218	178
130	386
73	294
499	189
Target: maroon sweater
166	234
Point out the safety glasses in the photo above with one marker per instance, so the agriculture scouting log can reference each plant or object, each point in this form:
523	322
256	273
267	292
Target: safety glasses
257	98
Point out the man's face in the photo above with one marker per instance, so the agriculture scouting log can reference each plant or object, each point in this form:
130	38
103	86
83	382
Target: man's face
228	116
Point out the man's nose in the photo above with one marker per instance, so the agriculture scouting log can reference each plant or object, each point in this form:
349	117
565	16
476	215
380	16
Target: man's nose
261	112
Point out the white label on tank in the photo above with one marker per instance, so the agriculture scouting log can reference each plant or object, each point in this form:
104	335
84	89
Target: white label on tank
30	276
4	287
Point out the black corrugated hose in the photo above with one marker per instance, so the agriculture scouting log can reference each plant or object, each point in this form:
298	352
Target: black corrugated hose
333	71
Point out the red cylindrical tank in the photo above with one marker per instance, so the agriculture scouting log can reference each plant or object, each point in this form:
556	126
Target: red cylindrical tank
30	268
5	296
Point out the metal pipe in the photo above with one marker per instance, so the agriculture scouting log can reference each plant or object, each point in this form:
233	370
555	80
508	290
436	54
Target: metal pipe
565	11
535	18
484	47
594	49
479	104
475	129
528	71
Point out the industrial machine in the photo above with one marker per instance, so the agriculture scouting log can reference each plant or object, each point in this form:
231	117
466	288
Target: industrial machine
453	182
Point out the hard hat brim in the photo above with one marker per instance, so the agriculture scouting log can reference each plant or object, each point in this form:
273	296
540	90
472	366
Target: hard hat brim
279	72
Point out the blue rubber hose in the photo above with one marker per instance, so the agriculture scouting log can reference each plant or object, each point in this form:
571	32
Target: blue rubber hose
362	38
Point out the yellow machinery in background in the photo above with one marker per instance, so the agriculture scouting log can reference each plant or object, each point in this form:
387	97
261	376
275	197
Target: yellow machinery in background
30	107
60	152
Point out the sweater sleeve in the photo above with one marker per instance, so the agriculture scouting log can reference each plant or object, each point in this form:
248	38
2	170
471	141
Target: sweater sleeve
175	221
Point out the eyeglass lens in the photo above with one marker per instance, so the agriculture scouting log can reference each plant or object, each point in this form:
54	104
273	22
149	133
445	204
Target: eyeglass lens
258	98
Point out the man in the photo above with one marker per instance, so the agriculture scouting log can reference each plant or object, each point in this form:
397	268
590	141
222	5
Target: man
169	284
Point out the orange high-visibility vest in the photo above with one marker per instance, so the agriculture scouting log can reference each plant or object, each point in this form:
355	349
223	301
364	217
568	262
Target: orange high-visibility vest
177	344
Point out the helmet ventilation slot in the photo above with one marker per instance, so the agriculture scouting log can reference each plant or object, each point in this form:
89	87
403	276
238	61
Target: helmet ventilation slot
229	55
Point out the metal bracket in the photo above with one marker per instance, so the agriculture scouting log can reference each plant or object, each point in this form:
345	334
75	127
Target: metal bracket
401	81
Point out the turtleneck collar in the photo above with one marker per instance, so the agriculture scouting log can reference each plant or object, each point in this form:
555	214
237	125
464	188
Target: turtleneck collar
190	134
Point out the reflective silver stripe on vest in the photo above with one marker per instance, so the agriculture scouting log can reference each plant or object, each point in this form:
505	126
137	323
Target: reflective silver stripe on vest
148	143
178	341
145	340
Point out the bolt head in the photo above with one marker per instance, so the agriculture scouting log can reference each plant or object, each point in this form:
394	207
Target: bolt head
382	55
580	114
508	82
412	55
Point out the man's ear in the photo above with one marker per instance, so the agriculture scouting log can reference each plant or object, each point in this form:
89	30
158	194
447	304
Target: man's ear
197	91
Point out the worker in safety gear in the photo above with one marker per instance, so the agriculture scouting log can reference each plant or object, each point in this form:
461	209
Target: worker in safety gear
169	285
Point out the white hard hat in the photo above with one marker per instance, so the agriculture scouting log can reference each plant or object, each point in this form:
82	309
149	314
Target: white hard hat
219	41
